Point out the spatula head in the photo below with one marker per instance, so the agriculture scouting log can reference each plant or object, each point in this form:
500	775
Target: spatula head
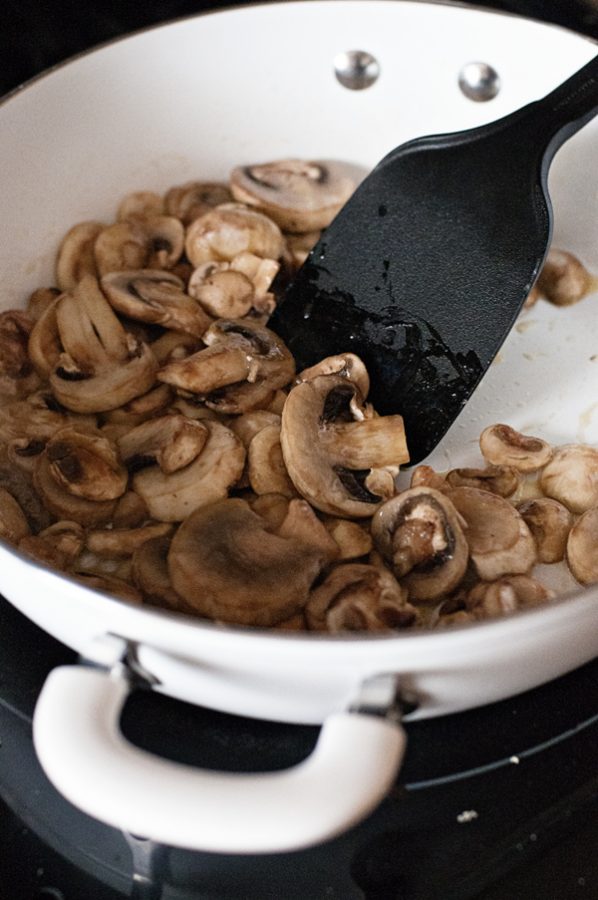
423	272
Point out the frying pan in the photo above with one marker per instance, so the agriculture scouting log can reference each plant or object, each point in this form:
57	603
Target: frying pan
191	100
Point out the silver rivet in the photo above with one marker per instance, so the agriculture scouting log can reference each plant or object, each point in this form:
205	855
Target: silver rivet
479	81
356	69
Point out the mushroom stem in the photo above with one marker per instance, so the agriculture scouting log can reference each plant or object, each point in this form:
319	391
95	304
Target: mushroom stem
209	369
371	443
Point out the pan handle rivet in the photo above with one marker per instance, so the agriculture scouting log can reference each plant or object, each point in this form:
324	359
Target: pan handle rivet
479	81
356	69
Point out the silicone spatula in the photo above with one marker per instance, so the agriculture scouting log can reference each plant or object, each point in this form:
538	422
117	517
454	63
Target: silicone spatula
424	270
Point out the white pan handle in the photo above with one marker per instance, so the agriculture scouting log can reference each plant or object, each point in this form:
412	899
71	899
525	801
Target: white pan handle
84	754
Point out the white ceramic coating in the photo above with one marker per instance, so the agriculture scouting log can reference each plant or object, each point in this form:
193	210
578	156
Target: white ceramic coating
194	98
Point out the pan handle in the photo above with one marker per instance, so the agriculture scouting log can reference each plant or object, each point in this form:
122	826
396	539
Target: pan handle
84	754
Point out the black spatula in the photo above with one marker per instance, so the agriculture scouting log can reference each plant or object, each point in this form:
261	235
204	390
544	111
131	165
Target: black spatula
424	270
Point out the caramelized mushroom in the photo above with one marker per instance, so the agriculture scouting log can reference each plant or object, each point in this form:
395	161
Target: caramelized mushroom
76	254
155	296
298	195
419	534
265	465
582	548
501	445
563	279
140	205
171	441
571	477
122	542
193	199
149	571
59	545
501	480
153	242
353	539
550	523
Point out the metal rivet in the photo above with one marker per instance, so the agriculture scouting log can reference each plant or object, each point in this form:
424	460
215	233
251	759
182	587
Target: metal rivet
356	69
479	81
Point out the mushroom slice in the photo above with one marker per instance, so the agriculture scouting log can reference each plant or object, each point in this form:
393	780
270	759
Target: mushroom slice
251	423
358	597
501	445
13	522
171	441
121	542
138	410
76	254
348	365
221	291
58	546
44	345
425	476
571	477
155	296
273	508
229	566
330	449
86	465
140	205
500	543
298	195
172	497
102	367
501	480
563	279
40	300
582	548
173	345
266	469
154	242
17	376
300	245
130	511
15	483
507	595
62	504
242	366
419	534
109	584
550	523
230	229
193	199
353	539
149	571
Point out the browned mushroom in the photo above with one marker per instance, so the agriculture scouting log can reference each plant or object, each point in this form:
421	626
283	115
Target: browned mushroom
563	279
109	584
153	242
149	572
501	480
17	376
571	477
353	539
229	566
298	195
425	476
193	199
40	300
171	441
265	465
58	546
489	599
140	205
140	409
155	296
121	542
13	522
501	445
15	483
242	366
223	292
419	534
582	548
359	597
333	453
348	365
249	424
230	229
76	254
500	543
550	523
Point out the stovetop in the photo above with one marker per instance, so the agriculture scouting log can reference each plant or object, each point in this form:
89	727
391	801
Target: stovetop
498	803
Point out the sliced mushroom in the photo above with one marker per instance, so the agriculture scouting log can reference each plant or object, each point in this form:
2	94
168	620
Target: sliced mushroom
507	595
40	300
76	254
150	295
425	476
300	245
501	445
353	539
330	449
550	523
419	534
500	543
265	465
13	522
172	497
171	441
563	279
17	376
221	291
87	465
59	545
358	597
347	365
140	205
229	566
230	229
149	572
121	542
242	366
173	345
130	511
571	477
251	423
153	242
582	548
44	345
140	409
501	480
193	199
29	501
102	367
298	195
273	508
109	584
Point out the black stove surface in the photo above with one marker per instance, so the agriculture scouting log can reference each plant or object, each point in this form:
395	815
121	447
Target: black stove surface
498	803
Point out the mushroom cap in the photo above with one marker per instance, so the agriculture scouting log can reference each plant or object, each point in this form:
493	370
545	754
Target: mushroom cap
550	523
501	445
226	562
419	534
86	465
582	548
298	195
571	477
500	543
563	278
328	456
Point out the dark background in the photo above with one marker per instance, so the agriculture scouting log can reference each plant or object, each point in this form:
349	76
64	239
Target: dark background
36	34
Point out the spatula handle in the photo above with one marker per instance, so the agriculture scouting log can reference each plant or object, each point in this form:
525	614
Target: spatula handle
568	108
